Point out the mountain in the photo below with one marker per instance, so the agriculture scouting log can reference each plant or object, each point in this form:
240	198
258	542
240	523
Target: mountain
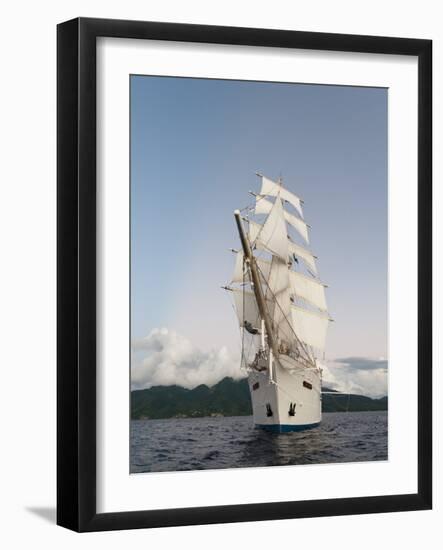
343	402
227	398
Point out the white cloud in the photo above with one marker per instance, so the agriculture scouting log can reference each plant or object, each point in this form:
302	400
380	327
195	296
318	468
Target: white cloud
359	375
165	358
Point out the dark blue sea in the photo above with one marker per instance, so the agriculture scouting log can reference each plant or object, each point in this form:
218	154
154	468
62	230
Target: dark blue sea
233	442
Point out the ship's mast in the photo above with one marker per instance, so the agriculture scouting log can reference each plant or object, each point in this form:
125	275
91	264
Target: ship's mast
258	291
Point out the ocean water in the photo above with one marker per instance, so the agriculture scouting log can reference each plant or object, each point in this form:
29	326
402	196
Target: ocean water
233	442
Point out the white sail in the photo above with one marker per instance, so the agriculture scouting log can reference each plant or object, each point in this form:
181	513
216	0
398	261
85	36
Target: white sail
254	231
246	307
309	289
273	234
237	276
278	278
303	254
264	268
310	327
248	312
298	224
278	296
263	206
273	189
242	277
278	275
293	248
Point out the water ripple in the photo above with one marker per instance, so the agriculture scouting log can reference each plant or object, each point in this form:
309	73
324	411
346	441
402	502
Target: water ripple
233	442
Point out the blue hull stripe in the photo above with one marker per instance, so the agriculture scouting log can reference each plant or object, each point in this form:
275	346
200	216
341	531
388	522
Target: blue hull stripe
284	428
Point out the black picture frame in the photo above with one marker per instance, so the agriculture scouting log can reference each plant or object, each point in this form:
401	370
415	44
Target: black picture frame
76	279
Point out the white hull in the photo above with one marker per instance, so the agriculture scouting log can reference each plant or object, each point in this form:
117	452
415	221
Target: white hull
293	390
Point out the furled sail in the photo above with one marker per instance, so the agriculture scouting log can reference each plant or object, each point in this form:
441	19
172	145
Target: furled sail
311	290
263	206
273	189
310	327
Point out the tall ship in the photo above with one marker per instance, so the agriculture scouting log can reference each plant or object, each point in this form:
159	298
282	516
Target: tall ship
281	308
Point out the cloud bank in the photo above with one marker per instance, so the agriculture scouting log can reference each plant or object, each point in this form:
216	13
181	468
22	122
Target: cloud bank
359	375
166	358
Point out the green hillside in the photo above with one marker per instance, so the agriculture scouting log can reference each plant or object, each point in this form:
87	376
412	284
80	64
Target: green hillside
227	398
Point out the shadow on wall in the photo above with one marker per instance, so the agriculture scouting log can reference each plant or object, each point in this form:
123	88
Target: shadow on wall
48	514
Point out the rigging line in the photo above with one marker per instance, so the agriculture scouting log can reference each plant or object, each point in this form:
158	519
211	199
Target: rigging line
233	309
241	339
286	319
235	314
262	226
274	229
349	400
259	197
308	357
299	216
244	358
272	234
249	350
336	401
243	315
276	301
299	342
248	207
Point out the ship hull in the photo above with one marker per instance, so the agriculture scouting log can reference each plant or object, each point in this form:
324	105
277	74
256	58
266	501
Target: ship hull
291	403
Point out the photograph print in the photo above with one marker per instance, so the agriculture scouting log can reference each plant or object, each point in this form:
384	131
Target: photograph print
259	271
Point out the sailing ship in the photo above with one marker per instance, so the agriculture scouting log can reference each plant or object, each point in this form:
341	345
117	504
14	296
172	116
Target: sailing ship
281	307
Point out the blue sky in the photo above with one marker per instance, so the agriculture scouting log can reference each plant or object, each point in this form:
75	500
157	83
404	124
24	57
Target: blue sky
195	147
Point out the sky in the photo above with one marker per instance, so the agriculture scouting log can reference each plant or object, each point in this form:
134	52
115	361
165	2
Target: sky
196	145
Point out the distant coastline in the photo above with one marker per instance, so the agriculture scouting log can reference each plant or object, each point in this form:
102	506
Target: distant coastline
227	398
